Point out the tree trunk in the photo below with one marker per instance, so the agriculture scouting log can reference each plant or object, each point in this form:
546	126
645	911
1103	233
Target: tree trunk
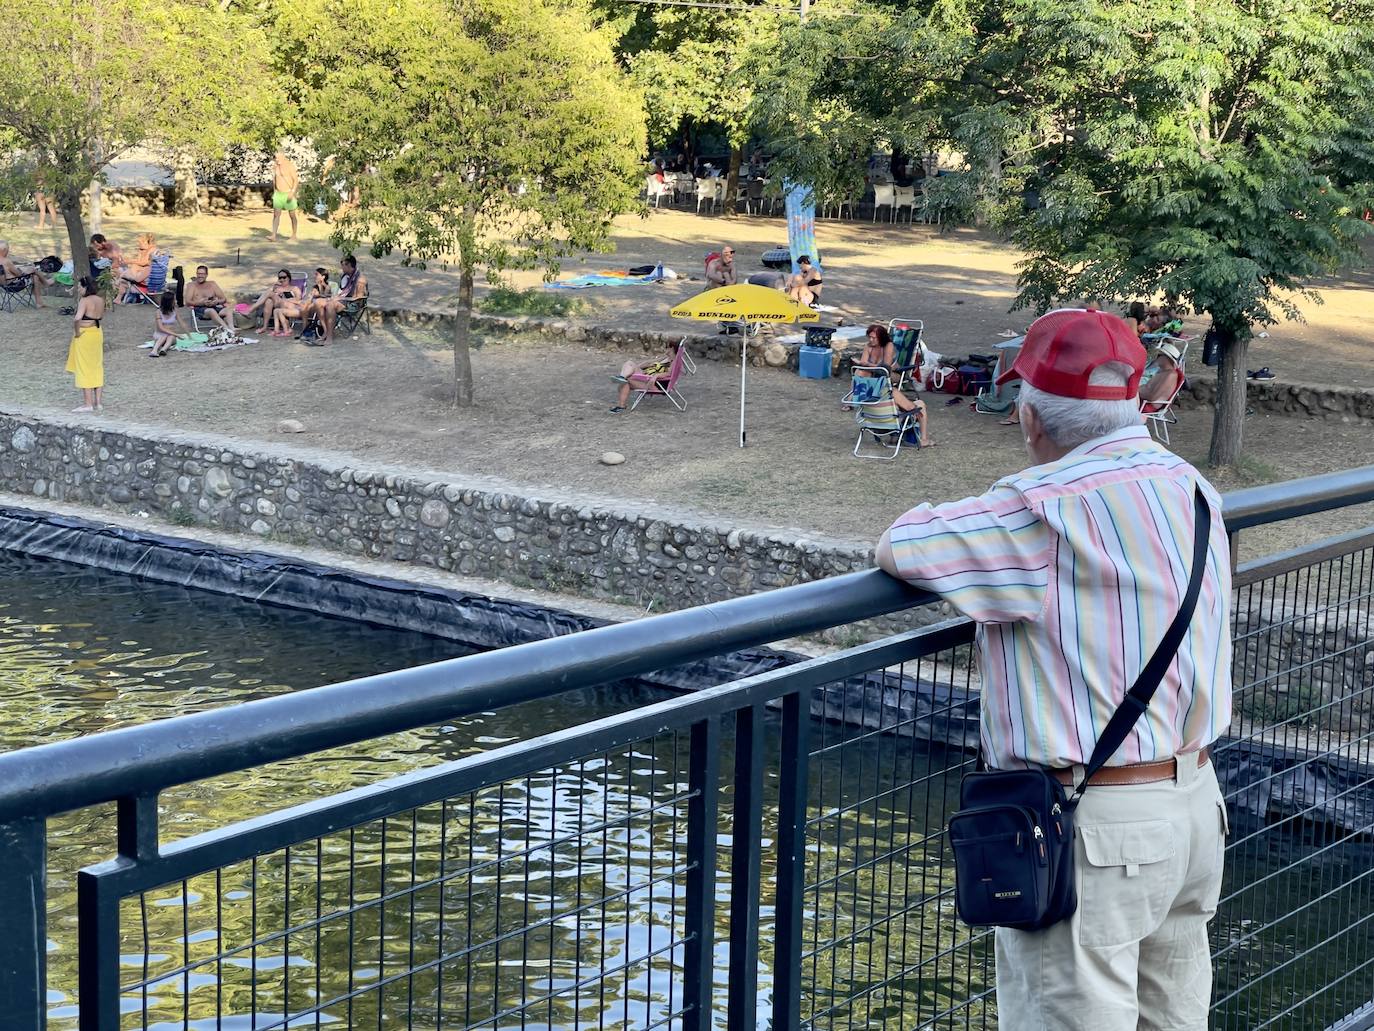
462	334
732	180
95	205
185	190
1228	419
990	188
70	203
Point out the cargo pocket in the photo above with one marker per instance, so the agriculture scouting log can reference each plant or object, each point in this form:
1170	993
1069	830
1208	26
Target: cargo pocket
1124	881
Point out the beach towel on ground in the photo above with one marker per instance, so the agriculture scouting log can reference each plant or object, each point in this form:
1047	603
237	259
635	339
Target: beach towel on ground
607	277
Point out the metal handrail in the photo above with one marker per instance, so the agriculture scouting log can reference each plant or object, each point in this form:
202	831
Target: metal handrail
140	761
1275	502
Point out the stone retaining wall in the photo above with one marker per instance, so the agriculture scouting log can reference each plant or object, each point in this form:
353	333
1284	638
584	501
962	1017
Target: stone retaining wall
160	200
707	346
1301	399
634	554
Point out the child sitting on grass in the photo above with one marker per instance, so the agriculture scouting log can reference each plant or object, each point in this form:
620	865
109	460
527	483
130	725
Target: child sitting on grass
167	326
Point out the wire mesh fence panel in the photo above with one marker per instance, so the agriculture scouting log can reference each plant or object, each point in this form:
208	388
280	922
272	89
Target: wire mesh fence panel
555	900
577	895
1294	937
881	944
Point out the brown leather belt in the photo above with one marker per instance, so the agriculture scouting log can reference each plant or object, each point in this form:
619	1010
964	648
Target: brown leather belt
1136	773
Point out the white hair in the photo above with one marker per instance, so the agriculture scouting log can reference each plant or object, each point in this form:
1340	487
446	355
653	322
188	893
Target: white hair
4	246
1071	421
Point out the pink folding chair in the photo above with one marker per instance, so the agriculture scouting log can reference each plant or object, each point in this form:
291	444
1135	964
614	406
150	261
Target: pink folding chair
663	385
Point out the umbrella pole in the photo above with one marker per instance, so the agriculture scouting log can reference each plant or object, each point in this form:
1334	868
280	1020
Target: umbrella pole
743	364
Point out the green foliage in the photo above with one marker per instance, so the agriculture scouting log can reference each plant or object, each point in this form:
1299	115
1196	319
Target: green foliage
496	134
84	82
1217	151
504	301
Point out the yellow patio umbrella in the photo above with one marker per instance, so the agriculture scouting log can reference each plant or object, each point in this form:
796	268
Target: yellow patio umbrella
744	304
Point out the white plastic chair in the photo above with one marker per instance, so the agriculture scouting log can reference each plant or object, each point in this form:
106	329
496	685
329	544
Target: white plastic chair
655	190
904	197
706	193
884	196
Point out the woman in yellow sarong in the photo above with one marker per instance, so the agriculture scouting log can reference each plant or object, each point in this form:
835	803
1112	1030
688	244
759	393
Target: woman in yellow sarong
86	355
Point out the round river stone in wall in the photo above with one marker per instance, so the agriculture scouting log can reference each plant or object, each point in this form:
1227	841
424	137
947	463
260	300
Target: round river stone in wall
612	458
23	440
434	513
217	482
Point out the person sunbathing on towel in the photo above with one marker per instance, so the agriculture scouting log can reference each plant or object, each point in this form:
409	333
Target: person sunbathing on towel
639	375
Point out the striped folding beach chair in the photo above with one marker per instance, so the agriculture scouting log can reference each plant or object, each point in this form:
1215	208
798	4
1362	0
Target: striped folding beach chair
877	414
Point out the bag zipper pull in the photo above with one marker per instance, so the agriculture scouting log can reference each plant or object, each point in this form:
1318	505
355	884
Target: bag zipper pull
1055	811
1040	842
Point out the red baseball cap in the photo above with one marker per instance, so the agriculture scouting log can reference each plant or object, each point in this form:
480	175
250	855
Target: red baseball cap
1063	347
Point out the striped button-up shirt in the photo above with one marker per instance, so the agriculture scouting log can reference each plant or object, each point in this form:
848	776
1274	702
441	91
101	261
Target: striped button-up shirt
1073	570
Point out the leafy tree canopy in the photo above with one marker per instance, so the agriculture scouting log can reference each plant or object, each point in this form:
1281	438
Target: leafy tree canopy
497	134
1216	151
84	82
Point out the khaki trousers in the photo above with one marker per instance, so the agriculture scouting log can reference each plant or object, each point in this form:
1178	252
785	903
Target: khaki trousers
1134	956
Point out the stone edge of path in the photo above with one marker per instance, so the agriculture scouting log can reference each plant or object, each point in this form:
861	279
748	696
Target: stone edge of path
644	556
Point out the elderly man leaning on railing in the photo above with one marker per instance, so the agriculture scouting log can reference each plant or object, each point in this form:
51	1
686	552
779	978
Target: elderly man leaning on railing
1074	568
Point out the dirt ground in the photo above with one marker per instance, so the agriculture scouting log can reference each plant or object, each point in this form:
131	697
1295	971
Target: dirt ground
959	282
384	398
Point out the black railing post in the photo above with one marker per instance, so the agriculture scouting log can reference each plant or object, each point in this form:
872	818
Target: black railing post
23	924
699	962
97	954
792	795
745	859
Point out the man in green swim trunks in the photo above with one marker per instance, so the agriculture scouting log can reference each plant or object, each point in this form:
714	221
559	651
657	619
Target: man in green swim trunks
286	181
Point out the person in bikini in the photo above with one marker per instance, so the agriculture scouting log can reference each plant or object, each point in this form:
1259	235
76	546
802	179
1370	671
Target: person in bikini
207	300
637	375
1157	391
86	353
879	352
281	291
805	287
138	269
12	272
304	309
44	200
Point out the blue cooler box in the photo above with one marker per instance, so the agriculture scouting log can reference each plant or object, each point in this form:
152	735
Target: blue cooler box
814	362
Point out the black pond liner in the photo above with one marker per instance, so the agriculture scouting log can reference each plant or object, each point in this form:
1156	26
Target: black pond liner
472	620
1265	783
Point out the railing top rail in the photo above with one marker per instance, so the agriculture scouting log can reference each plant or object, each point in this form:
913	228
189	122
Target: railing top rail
143	760
1275	502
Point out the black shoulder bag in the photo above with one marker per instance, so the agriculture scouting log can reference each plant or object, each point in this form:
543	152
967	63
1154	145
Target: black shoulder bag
1013	833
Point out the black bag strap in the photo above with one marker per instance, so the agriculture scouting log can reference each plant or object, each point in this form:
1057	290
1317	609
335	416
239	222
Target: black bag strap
1138	697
